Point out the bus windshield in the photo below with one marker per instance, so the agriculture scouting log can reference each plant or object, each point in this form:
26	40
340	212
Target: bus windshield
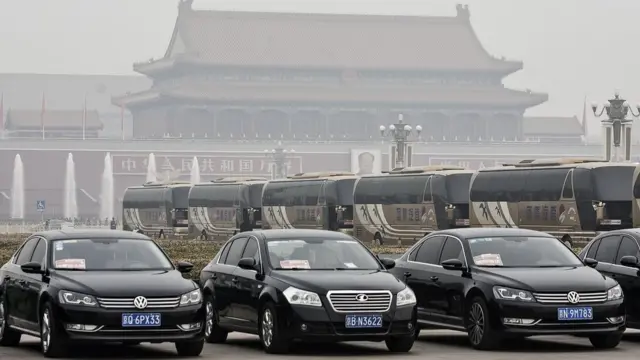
613	183
458	188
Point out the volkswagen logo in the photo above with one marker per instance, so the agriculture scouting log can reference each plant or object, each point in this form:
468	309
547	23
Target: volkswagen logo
362	297
573	297
140	302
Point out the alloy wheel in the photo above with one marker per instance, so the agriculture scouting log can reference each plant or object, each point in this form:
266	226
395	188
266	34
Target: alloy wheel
2	321
267	327
476	323
45	336
208	328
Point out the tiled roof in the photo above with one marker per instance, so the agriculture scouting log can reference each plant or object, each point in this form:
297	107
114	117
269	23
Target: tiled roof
53	119
556	126
331	41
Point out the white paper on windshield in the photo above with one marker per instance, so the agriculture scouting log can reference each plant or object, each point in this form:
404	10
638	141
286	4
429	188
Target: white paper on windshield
350	265
347	242
59	246
488	260
71	264
295	264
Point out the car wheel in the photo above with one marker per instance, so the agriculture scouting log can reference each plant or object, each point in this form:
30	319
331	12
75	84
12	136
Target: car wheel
606	341
273	342
53	341
190	348
8	336
377	240
480	333
213	334
416	334
401	344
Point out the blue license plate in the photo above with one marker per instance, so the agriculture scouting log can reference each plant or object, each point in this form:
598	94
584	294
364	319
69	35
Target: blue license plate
141	320
575	313
363	321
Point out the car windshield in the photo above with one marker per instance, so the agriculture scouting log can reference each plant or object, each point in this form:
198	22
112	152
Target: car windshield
520	251
108	255
320	254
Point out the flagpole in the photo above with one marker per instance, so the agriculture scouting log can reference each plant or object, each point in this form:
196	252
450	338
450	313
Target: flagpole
42	111
2	115
122	120
84	119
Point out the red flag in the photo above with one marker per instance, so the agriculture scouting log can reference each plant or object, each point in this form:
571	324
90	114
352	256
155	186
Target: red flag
42	111
84	119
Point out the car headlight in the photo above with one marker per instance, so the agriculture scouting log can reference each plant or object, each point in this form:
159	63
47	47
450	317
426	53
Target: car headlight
301	297
74	298
615	293
505	293
191	298
405	297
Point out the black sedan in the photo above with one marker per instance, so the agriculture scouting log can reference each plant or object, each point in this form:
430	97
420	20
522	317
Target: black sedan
98	286
498	284
308	285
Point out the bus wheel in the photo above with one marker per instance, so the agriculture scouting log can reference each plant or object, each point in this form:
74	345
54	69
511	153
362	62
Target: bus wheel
203	235
161	234
377	240
566	240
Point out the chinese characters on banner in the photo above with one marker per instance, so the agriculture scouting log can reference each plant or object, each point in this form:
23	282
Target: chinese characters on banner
472	163
223	165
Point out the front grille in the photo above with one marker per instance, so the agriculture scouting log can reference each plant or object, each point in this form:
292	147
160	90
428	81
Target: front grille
352	301
127	303
562	298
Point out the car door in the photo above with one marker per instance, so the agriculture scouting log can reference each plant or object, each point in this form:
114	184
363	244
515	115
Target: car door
421	267
451	284
628	278
220	278
16	289
229	283
35	282
249	286
606	253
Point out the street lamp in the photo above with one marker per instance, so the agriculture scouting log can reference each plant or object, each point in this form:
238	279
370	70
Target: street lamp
399	134
279	157
617	127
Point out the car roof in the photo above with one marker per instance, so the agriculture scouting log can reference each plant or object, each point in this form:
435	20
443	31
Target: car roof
68	234
488	232
286	234
631	232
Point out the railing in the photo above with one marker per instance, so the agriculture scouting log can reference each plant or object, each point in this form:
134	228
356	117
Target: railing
31	228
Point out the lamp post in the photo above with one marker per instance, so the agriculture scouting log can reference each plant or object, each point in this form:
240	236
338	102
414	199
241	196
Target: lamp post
279	157
617	127
399	134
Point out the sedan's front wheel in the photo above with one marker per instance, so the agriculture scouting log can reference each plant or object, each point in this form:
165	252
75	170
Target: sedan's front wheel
481	334
401	344
190	348
272	339
605	341
8	336
213	334
53	340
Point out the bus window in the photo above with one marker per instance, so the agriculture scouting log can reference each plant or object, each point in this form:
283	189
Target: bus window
567	190
427	197
636	188
322	199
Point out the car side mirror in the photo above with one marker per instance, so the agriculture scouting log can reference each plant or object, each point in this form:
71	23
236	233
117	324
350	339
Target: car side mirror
453	264
630	261
591	262
388	263
32	268
184	267
248	264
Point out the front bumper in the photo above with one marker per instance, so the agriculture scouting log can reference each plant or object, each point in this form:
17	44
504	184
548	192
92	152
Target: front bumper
108	324
545	318
321	324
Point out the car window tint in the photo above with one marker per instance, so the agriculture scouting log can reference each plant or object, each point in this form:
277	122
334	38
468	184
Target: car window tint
235	252
39	252
628	247
608	248
452	250
592	249
251	250
430	250
224	253
26	252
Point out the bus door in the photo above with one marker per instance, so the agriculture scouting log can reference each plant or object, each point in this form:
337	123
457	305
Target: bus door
323	216
567	211
428	219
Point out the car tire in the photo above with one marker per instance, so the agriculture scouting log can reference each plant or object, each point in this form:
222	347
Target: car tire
271	338
606	341
213	334
416	334
8	336
377	240
400	344
190	348
53	340
481	334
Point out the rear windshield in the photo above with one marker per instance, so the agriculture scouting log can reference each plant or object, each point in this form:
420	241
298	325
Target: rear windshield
613	183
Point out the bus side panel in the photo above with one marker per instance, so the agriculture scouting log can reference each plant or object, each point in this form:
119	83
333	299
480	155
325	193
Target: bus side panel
636	198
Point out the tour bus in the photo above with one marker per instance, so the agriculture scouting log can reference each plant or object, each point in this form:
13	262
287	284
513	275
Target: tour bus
157	209
322	200
636	197
405	204
572	199
223	207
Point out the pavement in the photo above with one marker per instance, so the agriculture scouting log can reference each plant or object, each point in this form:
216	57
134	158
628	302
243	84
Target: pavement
433	344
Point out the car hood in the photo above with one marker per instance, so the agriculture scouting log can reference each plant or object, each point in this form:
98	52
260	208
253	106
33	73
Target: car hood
123	283
321	281
561	279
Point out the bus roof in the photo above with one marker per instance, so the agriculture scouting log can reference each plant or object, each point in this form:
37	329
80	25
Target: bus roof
558	164
322	175
169	184
235	180
426	169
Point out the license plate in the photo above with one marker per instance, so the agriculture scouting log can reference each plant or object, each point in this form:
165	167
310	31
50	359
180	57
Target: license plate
575	313
141	319
363	321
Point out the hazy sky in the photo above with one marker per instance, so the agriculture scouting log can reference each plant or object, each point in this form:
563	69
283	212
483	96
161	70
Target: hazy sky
570	48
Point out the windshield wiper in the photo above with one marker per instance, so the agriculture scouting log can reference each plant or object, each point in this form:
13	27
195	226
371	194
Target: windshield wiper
294	268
